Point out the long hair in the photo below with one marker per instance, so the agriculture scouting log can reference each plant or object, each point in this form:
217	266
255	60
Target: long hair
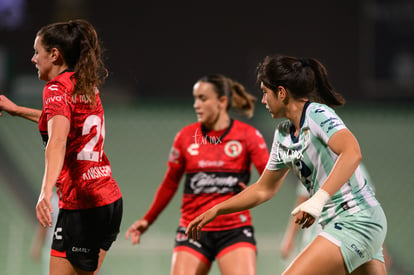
238	97
78	43
303	77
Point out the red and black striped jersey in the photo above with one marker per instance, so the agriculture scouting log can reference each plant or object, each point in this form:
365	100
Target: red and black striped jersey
86	178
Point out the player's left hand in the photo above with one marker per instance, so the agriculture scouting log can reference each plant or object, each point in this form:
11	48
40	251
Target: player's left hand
305	219
308	211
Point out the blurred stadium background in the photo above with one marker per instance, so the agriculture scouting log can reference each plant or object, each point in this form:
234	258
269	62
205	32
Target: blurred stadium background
156	52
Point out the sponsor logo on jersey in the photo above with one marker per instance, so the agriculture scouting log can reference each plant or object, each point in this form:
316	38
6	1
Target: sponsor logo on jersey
193	149
86	99
210	163
233	148
331	123
55	98
97	172
210	183
53	87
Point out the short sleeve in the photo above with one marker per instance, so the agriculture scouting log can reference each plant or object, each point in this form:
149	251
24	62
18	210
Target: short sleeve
56	100
176	157
275	161
324	122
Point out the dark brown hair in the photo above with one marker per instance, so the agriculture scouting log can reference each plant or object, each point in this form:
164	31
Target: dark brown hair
78	43
303	77
236	93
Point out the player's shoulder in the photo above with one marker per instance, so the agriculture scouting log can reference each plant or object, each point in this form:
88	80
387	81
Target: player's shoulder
238	124
189	130
190	127
249	131
62	83
315	109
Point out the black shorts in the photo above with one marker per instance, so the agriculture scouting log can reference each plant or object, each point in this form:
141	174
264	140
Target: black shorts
80	234
213	244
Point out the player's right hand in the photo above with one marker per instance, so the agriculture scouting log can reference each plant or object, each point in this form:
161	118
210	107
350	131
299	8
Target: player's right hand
136	230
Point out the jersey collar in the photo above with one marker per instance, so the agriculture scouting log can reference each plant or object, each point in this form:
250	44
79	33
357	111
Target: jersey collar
302	120
204	131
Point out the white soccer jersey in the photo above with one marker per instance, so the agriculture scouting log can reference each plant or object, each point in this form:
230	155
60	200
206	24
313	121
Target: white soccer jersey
310	158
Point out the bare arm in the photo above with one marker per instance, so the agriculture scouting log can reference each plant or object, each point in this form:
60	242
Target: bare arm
15	110
344	144
264	189
58	129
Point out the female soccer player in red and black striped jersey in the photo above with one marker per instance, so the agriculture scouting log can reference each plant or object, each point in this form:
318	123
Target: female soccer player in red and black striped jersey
216	155
68	57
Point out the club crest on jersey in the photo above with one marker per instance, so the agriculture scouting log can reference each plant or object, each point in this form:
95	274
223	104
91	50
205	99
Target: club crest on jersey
233	148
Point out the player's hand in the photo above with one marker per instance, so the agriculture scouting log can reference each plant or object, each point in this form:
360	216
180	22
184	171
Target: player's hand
307	212
7	105
304	218
193	230
44	209
136	230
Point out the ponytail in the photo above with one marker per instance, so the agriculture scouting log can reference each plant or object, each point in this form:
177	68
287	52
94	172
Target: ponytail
78	43
324	91
235	92
242	100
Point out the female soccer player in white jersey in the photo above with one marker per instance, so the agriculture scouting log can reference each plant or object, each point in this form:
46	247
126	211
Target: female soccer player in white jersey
68	57
317	146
